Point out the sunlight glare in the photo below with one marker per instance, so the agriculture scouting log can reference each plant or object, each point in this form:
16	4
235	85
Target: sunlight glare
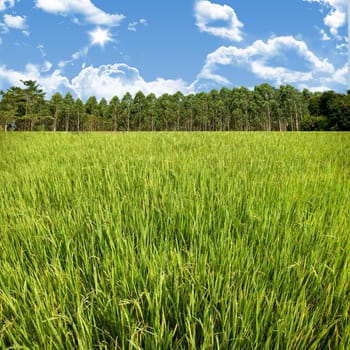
100	36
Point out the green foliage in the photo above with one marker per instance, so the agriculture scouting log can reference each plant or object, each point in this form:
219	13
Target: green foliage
175	241
265	108
336	108
311	123
25	106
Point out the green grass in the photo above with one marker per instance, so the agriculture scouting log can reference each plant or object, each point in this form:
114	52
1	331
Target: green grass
175	241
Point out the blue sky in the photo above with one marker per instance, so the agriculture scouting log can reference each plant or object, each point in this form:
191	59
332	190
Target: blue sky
108	47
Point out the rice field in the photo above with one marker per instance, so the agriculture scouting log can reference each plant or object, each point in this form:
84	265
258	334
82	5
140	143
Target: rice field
175	241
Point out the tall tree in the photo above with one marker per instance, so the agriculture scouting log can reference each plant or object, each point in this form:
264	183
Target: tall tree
79	110
55	106
226	98
150	111
34	101
188	104
91	110
68	108
201	111
126	105
103	112
11	105
265	96
164	112
242	109
137	110
291	108
178	100
114	111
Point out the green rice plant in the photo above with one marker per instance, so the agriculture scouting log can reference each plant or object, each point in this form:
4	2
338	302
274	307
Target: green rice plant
174	241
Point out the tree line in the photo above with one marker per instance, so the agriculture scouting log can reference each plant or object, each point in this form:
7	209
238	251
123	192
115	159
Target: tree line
264	108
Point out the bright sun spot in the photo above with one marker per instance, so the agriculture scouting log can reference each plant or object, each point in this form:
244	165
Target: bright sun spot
100	36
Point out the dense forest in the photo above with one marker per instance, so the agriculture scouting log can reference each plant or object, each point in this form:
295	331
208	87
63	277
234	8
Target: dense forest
263	108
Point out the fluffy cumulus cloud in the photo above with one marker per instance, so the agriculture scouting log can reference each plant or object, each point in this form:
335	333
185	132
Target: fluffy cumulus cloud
218	20
258	57
103	81
16	22
117	79
4	4
50	81
84	8
336	14
326	83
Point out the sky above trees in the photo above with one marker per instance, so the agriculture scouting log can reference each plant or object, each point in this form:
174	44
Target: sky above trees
104	48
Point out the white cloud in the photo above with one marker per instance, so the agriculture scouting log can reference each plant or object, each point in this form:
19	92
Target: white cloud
16	22
85	8
4	4
3	28
336	14
143	22
41	48
117	79
46	67
340	76
324	35
49	81
342	49
103	81
280	75
207	13
327	83
256	58
81	53
132	26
